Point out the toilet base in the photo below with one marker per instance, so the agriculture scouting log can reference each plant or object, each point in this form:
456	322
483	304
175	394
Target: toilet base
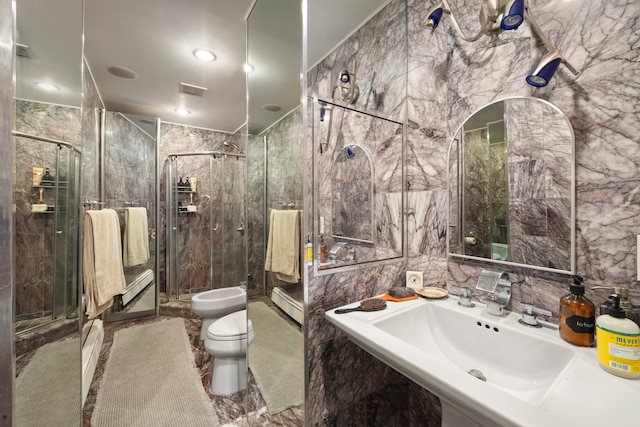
229	375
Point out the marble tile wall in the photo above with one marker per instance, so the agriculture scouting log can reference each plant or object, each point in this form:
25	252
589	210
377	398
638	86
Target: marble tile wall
448	79
340	385
224	191
35	233
7	349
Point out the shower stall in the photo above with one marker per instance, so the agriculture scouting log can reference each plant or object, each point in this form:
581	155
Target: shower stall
46	197
205	218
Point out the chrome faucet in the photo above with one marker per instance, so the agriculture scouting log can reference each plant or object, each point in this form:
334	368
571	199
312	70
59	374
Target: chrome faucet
498	287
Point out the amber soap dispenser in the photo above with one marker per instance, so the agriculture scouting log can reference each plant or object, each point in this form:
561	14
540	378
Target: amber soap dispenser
577	316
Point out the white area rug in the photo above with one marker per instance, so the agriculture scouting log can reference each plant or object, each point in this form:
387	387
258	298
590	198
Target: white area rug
276	358
48	389
151	379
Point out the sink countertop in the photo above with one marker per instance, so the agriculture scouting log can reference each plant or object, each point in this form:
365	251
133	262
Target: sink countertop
582	394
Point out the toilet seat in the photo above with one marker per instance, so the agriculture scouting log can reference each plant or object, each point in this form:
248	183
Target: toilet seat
232	327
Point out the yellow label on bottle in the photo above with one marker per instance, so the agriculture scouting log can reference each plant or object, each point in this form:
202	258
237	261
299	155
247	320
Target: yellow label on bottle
310	253
618	351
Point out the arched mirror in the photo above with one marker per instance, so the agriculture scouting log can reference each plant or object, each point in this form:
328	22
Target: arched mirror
512	186
353	197
46	194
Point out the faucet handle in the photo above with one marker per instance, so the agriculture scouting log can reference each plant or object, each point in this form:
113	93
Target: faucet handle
465	296
528	316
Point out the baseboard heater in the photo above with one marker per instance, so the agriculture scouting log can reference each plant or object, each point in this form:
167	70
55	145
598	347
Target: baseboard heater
138	285
90	354
288	304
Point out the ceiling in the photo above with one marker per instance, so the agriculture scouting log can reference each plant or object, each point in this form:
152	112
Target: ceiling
156	38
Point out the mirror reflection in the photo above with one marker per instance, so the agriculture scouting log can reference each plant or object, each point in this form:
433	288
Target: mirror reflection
46	194
358	200
511	186
274	212
129	165
186	175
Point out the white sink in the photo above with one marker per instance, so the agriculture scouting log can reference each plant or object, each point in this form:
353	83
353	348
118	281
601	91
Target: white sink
532	376
513	360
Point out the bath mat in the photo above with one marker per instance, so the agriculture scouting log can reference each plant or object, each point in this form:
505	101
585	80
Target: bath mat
46	396
276	358
151	379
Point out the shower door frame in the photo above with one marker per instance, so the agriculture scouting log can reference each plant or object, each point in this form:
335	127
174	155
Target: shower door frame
69	293
171	240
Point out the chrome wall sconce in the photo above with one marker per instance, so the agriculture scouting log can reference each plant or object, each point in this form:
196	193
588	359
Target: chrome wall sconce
507	15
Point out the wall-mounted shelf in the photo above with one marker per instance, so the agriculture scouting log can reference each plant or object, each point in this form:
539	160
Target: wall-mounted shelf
50	184
49	210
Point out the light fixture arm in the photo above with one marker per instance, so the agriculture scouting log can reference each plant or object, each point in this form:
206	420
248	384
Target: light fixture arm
545	40
446	8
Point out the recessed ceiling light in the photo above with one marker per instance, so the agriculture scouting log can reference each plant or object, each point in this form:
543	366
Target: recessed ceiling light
272	108
123	72
204	55
49	87
182	111
248	68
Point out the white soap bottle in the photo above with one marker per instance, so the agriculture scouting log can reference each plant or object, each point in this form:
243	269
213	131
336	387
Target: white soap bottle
618	342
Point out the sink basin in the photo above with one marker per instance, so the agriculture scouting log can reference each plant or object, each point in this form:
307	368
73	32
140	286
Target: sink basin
521	363
491	371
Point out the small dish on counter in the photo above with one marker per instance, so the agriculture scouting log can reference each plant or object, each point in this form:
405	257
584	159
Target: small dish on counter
432	292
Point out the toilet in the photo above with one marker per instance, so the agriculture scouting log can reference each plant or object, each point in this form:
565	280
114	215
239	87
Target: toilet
216	303
227	340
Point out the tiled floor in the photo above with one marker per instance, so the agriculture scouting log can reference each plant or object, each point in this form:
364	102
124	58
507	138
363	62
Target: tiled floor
230	409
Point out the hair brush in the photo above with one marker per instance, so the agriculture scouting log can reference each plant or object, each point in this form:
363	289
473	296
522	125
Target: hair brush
371	304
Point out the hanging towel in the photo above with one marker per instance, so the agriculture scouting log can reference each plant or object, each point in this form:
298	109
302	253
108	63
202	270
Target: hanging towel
136	240
283	245
103	273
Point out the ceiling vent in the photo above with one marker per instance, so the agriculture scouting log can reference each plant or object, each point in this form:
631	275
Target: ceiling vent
23	51
192	89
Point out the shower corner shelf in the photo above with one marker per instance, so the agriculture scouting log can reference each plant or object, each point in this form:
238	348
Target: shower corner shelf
50	184
50	210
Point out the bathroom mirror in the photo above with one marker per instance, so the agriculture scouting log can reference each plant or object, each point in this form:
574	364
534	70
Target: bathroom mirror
129	165
512	186
274	181
46	194
358	199
352	205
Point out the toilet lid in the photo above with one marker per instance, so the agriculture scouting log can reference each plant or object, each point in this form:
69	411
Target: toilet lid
230	327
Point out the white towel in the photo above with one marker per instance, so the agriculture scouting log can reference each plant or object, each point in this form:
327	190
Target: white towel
103	273
136	240
283	245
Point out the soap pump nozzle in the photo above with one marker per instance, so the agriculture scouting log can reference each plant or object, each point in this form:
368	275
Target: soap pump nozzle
616	311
